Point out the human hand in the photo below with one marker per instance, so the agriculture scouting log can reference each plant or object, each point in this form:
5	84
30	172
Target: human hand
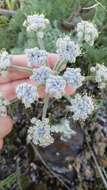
8	86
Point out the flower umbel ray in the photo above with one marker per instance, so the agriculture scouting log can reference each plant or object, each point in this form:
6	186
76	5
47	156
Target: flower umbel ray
40	132
27	93
81	106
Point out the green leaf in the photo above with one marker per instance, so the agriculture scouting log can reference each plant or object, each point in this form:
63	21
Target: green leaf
99	16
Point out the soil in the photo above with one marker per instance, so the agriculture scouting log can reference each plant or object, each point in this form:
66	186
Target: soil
62	165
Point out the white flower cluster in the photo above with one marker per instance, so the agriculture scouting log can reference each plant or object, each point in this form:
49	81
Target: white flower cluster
68	49
40	75
5	62
64	129
27	93
87	32
100	72
3	106
55	86
81	106
35	23
73	77
39	133
36	57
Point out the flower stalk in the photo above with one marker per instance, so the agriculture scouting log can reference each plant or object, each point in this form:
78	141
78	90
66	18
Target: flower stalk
40	42
45	107
22	69
59	66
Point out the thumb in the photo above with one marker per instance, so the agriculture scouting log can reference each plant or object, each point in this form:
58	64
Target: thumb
6	125
1	144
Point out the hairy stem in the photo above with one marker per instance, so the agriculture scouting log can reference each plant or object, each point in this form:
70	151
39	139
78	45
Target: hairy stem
68	98
21	69
45	107
40	40
58	66
91	78
7	13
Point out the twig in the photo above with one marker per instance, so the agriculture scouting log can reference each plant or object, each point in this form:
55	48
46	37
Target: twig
103	169
97	165
47	167
6	12
91	7
18	175
101	5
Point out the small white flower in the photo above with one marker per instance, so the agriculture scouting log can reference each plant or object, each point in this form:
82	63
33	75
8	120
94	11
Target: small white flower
100	72
39	133
68	49
3	111
86	31
81	106
27	93
3	106
5	61
40	75
55	86
64	129
35	23
36	56
73	77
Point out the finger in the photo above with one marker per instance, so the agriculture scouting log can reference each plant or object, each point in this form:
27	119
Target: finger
52	60
1	144
13	75
6	125
21	60
69	90
9	89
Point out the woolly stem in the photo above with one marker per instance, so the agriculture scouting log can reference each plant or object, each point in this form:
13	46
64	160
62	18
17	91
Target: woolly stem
21	69
58	66
45	107
68	98
39	36
92	78
7	13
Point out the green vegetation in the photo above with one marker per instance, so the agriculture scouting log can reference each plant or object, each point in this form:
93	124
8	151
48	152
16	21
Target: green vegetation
14	38
63	14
